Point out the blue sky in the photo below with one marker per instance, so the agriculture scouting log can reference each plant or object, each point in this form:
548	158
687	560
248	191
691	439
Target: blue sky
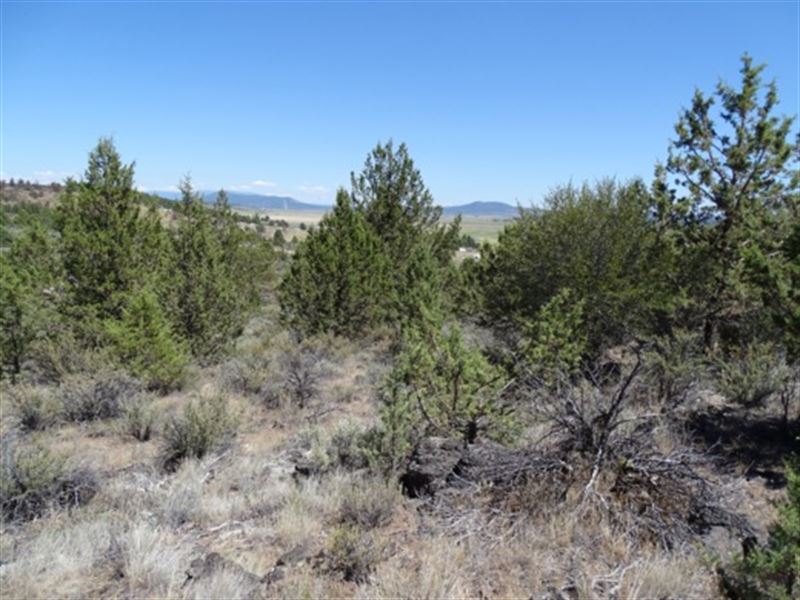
495	101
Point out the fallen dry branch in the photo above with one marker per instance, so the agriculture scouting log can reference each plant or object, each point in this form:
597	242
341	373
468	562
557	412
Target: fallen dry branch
599	459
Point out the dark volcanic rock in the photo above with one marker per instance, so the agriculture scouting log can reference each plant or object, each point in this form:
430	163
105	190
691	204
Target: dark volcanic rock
430	467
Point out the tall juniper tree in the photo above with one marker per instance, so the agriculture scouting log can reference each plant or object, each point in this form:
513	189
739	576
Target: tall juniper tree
381	257
109	244
727	198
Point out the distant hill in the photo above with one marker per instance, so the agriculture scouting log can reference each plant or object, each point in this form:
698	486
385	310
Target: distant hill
254	201
481	209
258	202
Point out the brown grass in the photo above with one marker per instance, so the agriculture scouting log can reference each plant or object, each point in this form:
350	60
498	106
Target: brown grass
145	527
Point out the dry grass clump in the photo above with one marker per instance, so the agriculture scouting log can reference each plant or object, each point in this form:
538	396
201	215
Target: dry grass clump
309	506
221	583
168	499
152	560
63	558
370	503
556	556
434	569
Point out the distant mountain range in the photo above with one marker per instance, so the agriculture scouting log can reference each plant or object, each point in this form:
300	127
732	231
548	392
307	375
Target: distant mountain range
481	209
254	201
259	202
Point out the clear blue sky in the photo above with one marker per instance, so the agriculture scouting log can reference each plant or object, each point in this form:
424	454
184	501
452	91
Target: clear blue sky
495	101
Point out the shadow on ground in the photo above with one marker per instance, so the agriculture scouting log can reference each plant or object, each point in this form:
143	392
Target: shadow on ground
754	444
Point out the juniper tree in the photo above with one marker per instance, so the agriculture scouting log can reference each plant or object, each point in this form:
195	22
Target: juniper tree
727	199
216	273
394	199
201	292
143	341
108	243
443	386
392	195
29	278
596	241
338	277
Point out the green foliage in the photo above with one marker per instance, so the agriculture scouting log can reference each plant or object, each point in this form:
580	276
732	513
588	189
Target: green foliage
28	276
730	216
773	571
752	374
675	364
204	426
138	418
337	279
29	477
143	341
555	342
215	275
17	327
379	258
596	241
388	445
443	385
352	553
35	408
348	447
109	247
391	194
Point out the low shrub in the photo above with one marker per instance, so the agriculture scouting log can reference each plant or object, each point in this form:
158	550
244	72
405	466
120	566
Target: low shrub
302	377
35	408
348	447
772	571
138	418
32	480
675	365
751	375
245	375
369	504
204	426
100	397
352	553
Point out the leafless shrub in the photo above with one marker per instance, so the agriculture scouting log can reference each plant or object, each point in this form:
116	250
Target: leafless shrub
302	376
100	397
599	454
